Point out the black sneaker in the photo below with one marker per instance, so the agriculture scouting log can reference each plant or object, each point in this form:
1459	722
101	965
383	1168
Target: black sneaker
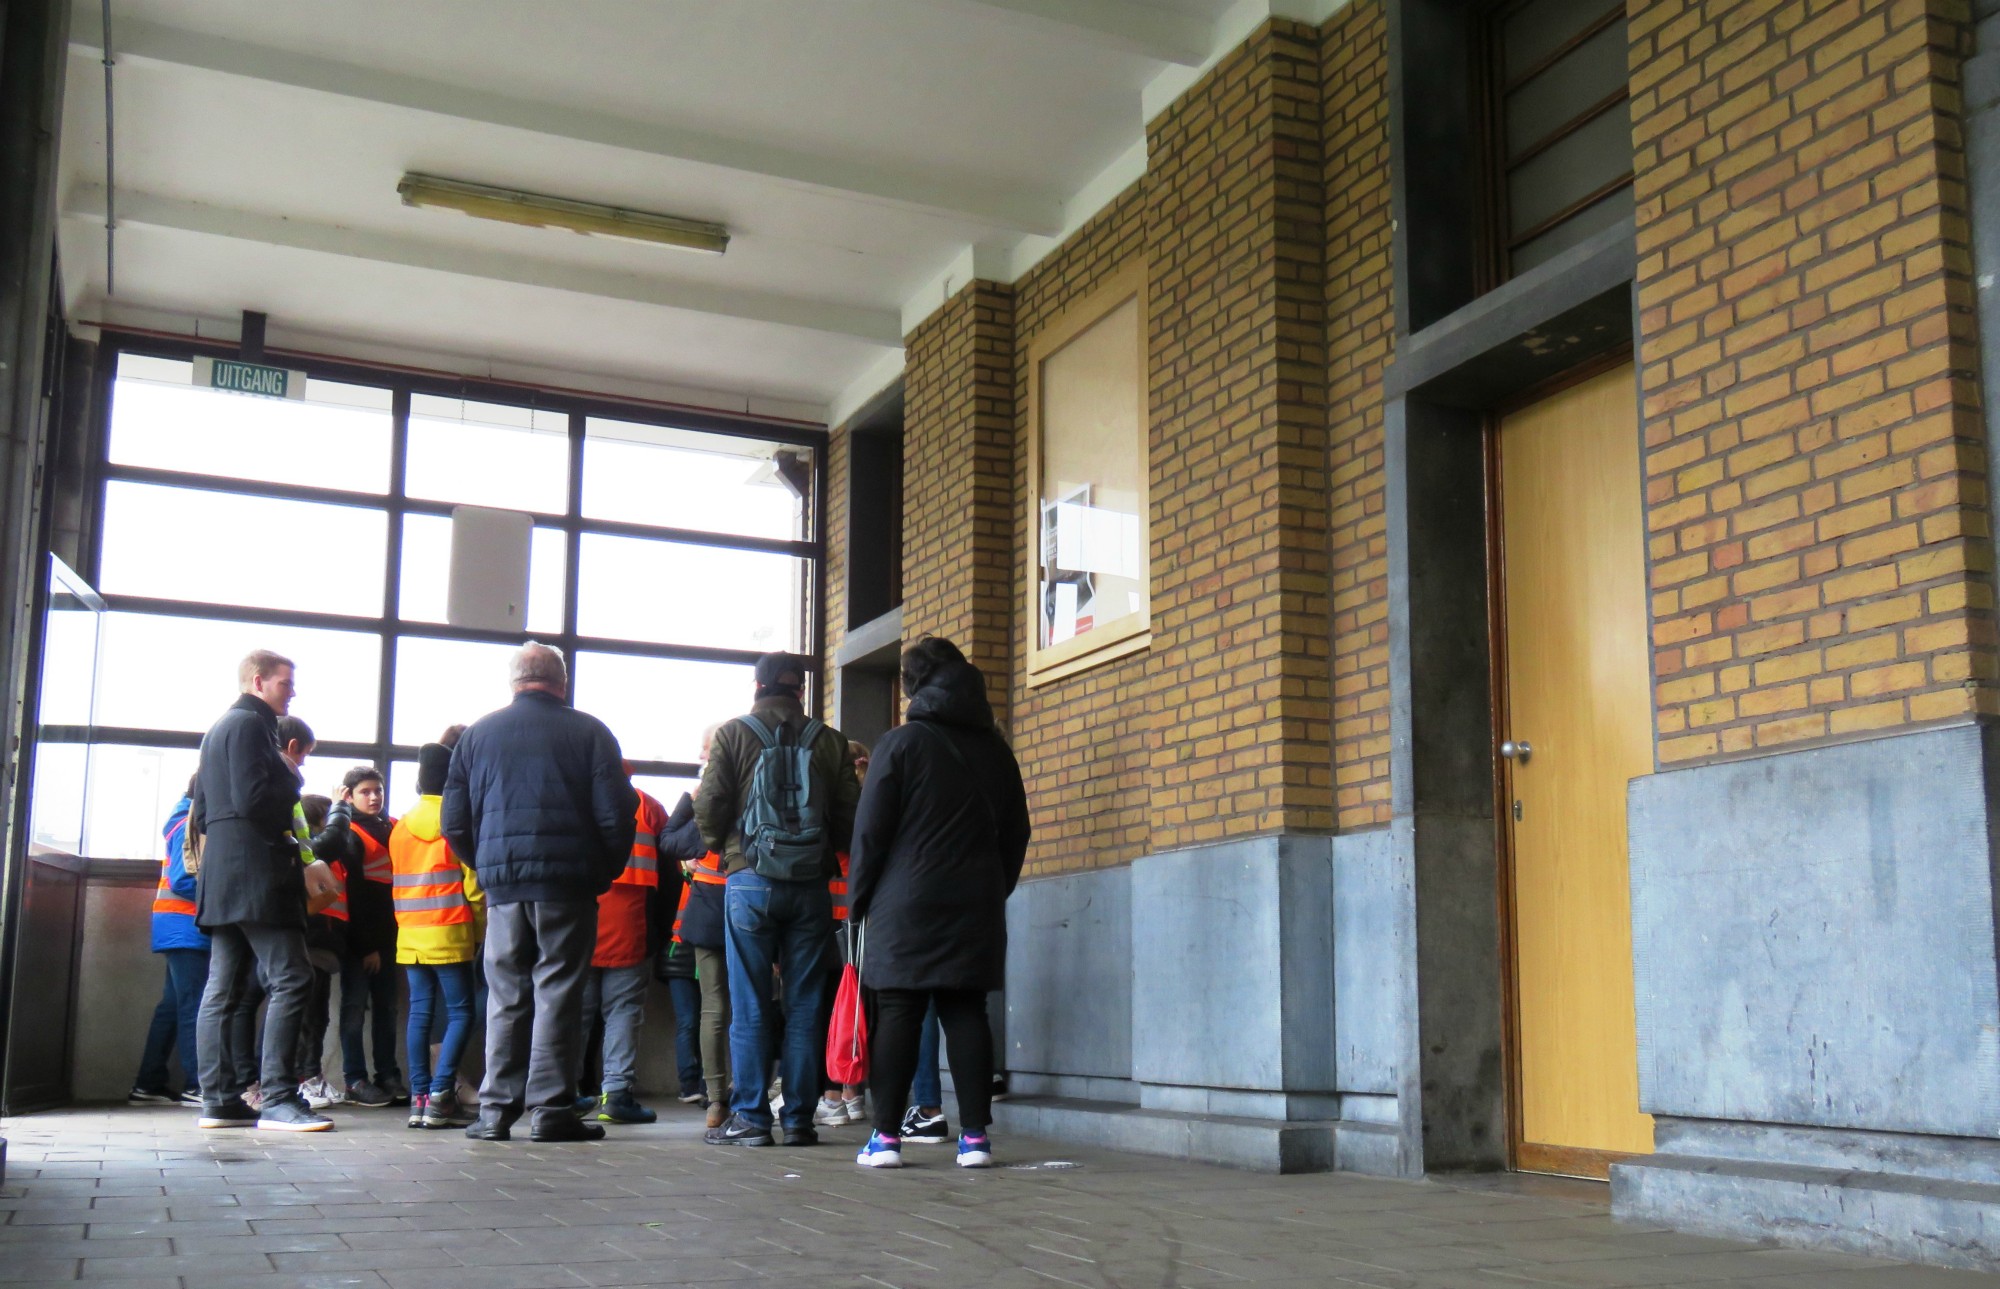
397	1090
362	1092
147	1096
291	1115
928	1130
622	1107
192	1097
230	1114
738	1131
801	1137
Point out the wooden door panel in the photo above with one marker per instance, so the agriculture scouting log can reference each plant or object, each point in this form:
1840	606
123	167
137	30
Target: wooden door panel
1579	694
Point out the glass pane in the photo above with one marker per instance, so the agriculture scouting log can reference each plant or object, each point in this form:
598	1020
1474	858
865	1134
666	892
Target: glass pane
1092	489
338	437
426	573
674	593
69	660
338	675
658	707
132	791
1577	228
402	787
55	813
264	552
666	791
1586	75
441	683
1575	167
323	773
488	454
716	483
1538	28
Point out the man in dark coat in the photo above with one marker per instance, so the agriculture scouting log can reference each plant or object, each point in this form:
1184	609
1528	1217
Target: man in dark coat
770	921
539	805
251	899
938	847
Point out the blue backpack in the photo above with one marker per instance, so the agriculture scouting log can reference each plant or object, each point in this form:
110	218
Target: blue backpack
783	823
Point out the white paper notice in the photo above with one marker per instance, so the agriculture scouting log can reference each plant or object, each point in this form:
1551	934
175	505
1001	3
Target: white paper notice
1090	539
1063	626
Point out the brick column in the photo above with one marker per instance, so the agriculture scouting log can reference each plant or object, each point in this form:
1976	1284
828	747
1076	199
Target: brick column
1235	235
958	470
1816	483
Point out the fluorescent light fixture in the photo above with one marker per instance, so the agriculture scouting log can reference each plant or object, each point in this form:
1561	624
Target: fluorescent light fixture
510	206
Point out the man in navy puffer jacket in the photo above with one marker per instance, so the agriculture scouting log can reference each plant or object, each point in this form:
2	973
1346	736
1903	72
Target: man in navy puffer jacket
539	805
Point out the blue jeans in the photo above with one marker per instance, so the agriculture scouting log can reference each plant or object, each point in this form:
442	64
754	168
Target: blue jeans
789	925
686	993
361	993
174	1020
450	982
926	1090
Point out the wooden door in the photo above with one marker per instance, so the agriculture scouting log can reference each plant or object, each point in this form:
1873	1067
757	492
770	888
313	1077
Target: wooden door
1578	700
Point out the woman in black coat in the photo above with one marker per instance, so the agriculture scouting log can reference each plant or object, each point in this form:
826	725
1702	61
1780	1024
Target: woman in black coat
939	838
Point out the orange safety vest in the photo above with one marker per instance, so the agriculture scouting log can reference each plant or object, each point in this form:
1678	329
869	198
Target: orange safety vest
164	899
838	887
643	869
430	886
707	869
376	865
338	909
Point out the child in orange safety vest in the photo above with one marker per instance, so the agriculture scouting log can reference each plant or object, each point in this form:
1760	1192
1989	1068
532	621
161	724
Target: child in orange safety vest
615	987
440	920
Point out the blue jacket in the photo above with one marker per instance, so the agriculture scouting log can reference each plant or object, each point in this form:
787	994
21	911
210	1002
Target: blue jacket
538	803
177	930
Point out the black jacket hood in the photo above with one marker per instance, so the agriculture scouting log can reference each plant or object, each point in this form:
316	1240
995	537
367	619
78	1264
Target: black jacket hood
954	694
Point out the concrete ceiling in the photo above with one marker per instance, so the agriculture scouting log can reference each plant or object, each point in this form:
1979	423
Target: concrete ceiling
864	154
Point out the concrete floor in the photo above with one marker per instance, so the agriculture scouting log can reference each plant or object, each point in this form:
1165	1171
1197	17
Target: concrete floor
141	1198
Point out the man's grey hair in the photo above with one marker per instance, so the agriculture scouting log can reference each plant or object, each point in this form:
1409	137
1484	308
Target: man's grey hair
535	663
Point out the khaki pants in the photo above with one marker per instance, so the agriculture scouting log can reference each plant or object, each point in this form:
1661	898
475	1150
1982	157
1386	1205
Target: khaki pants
711	968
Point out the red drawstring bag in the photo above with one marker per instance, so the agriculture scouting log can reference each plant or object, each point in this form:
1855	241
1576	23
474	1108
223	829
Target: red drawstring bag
847	1035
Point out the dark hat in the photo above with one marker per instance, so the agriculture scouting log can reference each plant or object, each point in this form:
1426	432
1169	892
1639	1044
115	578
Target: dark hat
781	669
433	763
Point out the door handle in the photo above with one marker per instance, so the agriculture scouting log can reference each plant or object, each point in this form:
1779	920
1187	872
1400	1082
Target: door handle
1520	751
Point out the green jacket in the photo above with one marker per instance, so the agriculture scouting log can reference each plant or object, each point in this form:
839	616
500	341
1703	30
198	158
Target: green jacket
732	765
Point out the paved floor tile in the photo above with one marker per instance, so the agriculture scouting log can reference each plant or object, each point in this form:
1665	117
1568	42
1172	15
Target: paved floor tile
138	1197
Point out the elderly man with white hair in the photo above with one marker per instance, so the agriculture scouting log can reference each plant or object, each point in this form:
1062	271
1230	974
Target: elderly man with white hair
539	805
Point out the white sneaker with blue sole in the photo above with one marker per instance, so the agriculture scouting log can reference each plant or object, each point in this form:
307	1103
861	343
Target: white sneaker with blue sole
881	1152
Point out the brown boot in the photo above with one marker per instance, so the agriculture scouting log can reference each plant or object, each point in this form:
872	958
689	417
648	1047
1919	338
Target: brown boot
717	1112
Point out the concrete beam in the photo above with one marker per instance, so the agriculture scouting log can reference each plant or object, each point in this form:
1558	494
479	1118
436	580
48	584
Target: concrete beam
1151	31
1005	209
876	326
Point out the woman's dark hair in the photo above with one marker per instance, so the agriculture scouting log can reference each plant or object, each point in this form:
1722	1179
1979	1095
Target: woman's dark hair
193	779
359	775
314	807
451	734
922	659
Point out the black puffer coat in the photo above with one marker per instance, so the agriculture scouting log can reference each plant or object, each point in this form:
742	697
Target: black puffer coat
938	845
243	799
538	802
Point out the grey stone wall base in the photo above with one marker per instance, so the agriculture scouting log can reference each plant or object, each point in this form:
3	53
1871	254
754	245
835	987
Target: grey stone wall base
1262	1145
1924	1219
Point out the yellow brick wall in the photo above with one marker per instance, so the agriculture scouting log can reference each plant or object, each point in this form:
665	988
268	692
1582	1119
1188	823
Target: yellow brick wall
1816	485
834	534
1361	327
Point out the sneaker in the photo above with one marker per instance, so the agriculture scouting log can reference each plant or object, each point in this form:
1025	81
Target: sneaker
622	1107
1000	1092
231	1114
881	1152
974	1151
801	1136
857	1108
146	1096
737	1131
363	1093
318	1093
399	1091
445	1110
926	1130
831	1112
417	1104
291	1116
585	1104
192	1097
696	1097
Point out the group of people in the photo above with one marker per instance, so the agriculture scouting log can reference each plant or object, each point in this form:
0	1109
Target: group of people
533	872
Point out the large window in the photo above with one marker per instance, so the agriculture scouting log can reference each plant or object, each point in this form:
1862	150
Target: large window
668	551
1088	574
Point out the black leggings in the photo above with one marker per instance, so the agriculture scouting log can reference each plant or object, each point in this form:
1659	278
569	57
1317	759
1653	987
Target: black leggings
895	1024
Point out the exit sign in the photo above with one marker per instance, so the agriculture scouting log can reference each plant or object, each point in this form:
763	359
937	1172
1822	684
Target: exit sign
249	378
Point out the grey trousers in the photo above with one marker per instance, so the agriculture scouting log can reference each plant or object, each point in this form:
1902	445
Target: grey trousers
237	953
537	958
712	968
